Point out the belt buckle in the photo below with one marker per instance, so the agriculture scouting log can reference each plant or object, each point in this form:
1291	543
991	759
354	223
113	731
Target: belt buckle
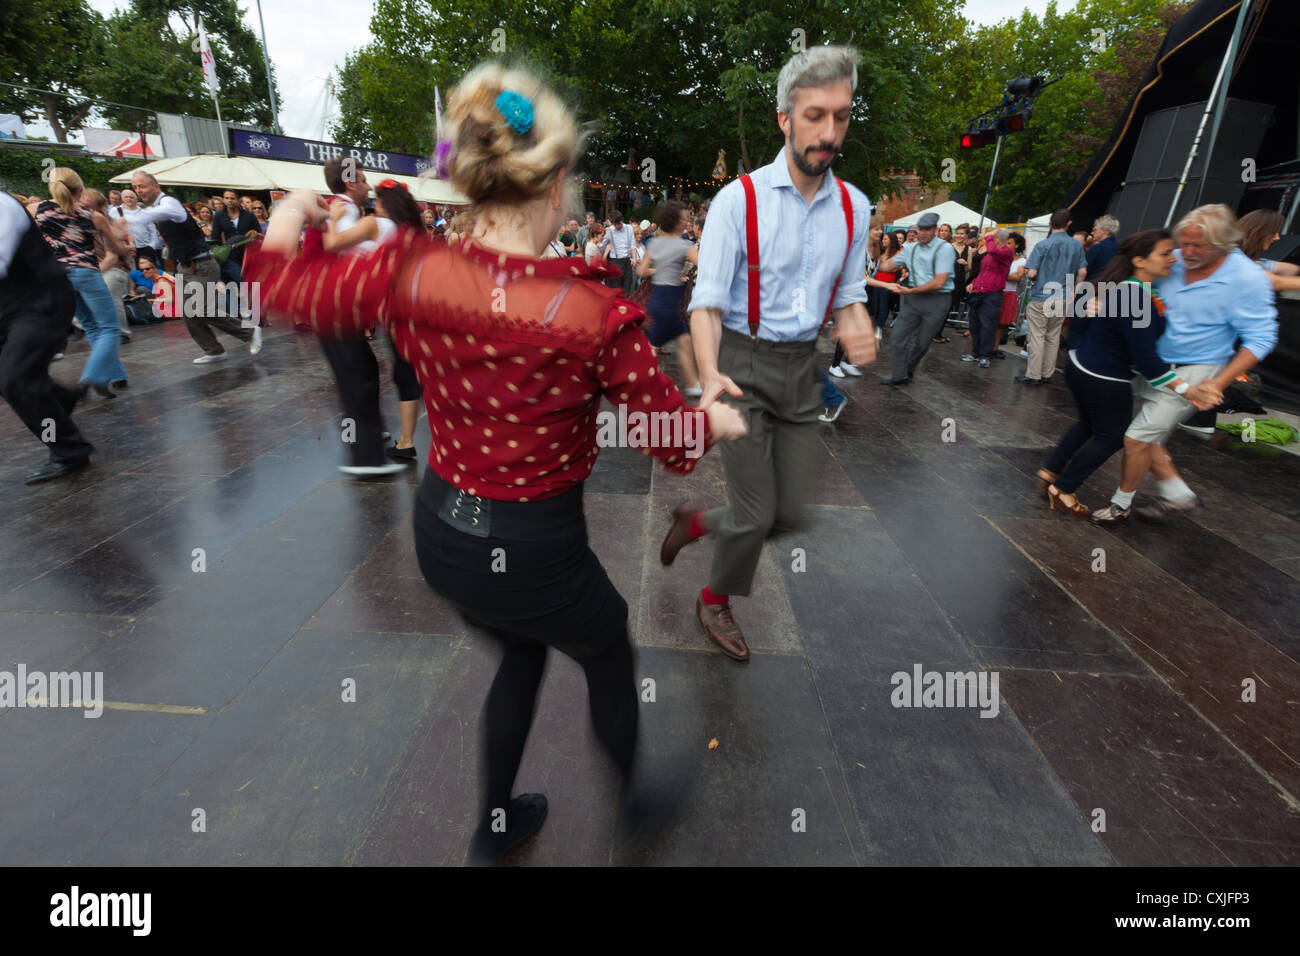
467	513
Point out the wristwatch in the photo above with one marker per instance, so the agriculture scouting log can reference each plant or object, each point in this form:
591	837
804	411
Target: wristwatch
1181	388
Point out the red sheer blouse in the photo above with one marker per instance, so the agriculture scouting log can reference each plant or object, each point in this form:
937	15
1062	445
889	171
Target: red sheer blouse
514	353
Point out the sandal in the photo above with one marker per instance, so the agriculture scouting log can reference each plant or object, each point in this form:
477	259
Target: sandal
1045	479
1054	503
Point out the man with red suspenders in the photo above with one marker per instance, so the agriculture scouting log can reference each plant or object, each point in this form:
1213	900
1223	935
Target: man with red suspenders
782	249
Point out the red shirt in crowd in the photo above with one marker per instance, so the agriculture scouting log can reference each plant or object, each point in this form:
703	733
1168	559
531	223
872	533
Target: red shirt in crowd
514	353
995	266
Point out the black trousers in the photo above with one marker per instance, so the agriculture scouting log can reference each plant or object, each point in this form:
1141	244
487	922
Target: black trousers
1105	411
30	334
357	374
531	595
985	313
629	276
404	377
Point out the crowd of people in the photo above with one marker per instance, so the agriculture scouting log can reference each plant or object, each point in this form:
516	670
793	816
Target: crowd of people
510	321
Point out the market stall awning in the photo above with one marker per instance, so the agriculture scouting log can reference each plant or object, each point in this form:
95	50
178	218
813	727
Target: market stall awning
213	171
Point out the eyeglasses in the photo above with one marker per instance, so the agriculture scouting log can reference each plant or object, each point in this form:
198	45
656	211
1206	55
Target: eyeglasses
391	184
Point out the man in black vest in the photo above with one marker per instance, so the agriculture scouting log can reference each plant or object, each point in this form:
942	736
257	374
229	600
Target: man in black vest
36	306
194	264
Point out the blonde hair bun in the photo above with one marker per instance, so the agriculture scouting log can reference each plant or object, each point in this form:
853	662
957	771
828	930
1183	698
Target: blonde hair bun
491	162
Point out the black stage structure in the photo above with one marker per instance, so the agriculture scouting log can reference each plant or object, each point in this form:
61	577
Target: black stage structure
1227	80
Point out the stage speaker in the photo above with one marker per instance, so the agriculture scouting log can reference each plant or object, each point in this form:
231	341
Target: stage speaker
1161	153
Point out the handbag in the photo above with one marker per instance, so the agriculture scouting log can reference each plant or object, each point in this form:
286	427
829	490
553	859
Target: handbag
221	252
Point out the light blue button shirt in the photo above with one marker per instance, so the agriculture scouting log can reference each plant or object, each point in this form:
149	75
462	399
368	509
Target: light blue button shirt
800	252
1204	320
925	262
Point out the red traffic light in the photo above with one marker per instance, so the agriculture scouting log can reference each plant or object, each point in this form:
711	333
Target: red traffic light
979	137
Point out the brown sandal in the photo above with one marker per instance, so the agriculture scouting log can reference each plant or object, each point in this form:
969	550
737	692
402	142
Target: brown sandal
1045	478
1054	503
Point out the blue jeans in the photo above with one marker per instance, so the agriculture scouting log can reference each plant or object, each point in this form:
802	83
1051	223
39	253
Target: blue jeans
831	396
98	317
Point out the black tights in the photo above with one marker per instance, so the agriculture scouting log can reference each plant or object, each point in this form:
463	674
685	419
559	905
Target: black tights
511	702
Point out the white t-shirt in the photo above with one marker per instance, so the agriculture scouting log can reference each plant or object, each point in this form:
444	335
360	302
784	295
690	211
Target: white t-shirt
387	230
593	251
1016	265
351	216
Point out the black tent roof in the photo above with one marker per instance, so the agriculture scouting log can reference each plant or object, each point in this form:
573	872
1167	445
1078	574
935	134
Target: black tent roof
1267	71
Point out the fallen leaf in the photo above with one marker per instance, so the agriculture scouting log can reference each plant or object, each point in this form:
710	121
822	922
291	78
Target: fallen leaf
713	744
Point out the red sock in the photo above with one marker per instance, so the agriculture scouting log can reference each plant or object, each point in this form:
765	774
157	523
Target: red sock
708	597
697	526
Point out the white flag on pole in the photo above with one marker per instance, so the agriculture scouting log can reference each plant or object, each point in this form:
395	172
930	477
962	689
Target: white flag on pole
437	109
209	64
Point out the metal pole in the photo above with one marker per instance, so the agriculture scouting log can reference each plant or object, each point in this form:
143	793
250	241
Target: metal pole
1231	57
225	148
1209	107
275	114
992	172
1290	216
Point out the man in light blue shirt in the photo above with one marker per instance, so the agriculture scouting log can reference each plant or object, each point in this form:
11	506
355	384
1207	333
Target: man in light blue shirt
924	305
771	373
1056	265
1214	296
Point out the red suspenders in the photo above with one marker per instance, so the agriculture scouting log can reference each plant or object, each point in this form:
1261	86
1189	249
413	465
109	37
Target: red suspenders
751	248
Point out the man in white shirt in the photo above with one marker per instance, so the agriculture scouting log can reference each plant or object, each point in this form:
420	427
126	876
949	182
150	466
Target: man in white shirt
144	234
356	371
620	240
114	204
194	263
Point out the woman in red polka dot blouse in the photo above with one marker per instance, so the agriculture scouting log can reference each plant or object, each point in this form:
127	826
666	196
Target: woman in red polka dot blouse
515	353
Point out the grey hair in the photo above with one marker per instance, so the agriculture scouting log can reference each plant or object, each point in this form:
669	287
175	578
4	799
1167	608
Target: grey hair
149	176
1003	235
1109	223
820	66
1219	224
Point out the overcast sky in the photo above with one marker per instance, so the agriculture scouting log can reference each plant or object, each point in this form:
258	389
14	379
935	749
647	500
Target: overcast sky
305	50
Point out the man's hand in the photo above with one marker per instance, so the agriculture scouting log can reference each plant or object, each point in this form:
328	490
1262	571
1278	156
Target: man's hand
714	385
1205	396
897	289
726	423
853	330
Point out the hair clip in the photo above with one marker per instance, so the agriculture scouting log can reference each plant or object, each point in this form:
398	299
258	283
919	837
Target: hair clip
517	111
391	184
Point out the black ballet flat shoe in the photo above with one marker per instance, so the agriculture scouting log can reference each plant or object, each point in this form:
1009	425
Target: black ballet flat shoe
121	384
405	455
524	817
55	469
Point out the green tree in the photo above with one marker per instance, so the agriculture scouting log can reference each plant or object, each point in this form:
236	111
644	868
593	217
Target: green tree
674	80
55	45
153	60
1099	51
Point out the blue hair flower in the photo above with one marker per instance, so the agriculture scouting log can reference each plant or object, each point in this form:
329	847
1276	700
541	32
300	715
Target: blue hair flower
517	111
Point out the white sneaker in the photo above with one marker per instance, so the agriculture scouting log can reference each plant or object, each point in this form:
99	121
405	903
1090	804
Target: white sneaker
880	333
1202	429
388	468
57	356
851	369
1024	354
205	359
255	343
837	371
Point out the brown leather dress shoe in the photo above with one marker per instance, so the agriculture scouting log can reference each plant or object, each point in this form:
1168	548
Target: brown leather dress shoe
722	629
679	532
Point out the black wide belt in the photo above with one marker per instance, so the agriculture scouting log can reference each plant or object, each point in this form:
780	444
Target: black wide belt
545	520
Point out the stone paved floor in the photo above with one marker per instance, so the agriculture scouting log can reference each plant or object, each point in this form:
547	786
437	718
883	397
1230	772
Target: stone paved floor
1120	691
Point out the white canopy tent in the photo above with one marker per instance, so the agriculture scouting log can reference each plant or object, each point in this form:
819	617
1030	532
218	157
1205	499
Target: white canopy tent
950	213
1036	229
213	171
